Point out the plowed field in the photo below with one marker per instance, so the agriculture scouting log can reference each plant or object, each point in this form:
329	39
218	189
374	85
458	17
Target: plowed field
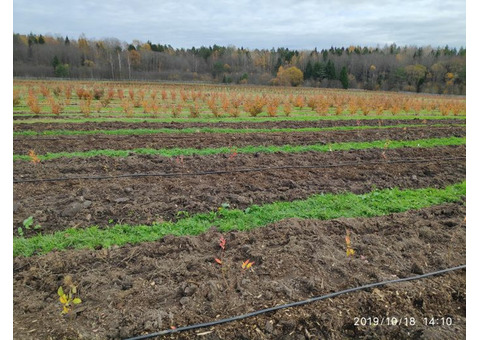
133	288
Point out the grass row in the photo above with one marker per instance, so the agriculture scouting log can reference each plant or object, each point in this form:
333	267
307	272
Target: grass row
324	207
211	119
217	130
174	152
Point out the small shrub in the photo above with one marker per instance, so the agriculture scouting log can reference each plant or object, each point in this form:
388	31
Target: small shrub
287	109
98	93
194	110
254	106
176	110
32	103
16	97
68	296
85	107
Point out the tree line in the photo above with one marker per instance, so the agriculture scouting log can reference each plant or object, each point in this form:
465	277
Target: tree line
440	70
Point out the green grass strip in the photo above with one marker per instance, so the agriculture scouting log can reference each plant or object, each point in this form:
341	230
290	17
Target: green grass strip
211	119
217	130
174	152
324	207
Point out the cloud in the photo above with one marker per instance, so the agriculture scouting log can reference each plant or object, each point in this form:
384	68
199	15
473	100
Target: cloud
300	24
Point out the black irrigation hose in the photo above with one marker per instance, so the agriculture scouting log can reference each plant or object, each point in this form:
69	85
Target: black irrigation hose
295	304
222	172
168	135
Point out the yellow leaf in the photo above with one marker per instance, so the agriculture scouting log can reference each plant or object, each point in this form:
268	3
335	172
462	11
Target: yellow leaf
63	299
60	291
77	301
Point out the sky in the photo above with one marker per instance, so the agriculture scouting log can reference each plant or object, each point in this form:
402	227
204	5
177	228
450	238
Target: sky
296	24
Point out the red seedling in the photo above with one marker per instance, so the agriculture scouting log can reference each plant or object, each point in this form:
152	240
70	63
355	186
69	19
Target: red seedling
233	154
222	243
247	264
179	159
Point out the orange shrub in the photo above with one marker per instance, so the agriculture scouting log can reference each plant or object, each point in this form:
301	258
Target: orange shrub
287	108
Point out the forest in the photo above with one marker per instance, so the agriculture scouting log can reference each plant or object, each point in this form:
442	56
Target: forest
427	69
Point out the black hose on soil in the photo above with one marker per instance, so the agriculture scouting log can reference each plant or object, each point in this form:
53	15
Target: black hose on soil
222	172
295	304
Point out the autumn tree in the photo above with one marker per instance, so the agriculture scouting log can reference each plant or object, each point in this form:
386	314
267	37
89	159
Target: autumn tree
434	70
291	76
416	75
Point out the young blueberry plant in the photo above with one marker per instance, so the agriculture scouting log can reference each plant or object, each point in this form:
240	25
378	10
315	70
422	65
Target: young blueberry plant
350	251
385	147
220	260
233	154
246	265
33	157
222	244
68	296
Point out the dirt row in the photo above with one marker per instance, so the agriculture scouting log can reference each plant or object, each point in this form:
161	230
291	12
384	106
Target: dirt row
232	125
139	289
138	200
217	140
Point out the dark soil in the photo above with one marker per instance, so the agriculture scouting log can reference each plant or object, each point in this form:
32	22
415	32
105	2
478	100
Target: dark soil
144	200
132	290
232	125
42	145
138	289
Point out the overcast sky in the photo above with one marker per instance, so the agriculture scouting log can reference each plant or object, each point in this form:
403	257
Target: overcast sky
296	24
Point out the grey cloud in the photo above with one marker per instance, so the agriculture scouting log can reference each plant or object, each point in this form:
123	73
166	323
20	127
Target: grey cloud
256	24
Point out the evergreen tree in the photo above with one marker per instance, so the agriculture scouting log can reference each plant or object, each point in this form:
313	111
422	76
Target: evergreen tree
308	70
325	55
330	70
55	62
318	70
62	71
344	77
32	39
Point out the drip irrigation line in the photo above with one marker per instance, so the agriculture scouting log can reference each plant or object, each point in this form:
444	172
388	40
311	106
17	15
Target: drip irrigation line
172	135
296	304
245	170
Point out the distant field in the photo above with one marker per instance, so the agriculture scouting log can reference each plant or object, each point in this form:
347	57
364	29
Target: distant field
74	99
